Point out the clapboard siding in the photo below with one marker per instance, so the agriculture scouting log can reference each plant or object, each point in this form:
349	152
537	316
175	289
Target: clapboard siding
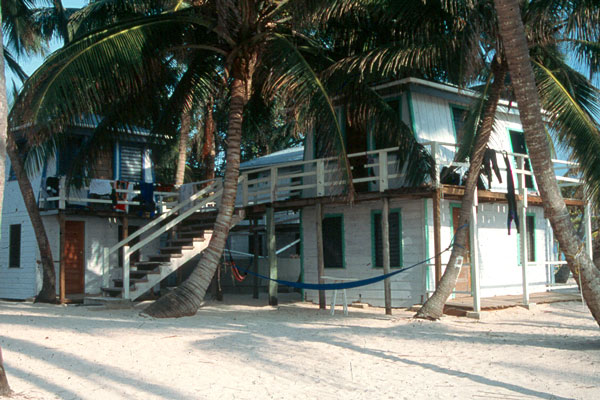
407	287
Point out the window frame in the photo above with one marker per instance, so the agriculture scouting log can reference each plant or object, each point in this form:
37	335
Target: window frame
456	106
400	239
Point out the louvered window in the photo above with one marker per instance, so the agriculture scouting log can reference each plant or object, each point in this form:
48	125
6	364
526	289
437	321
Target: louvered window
131	163
395	239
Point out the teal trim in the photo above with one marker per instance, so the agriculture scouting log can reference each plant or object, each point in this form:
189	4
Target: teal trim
373	249
335	215
512	147
116	161
411	113
452	108
301	255
427	267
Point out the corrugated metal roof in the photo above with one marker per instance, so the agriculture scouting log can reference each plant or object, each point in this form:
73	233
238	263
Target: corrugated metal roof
279	157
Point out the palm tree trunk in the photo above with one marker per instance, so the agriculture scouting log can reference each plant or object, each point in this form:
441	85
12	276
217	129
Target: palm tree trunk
434	306
208	150
4	387
184	135
48	292
514	41
188	297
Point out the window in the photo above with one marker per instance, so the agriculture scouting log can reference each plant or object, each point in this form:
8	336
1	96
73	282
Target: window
459	116
69	154
530	224
530	237
517	141
14	247
395	225
333	241
131	163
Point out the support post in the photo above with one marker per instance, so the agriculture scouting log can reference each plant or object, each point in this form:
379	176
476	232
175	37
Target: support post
105	267
273	184
62	263
272	248
383	171
320	177
523	229
320	257
62	193
385	227
474	248
126	267
437	239
255	259
587	220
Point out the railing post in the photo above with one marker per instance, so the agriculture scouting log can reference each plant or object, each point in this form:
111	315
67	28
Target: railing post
320	178
105	267
383	171
273	184
126	272
245	190
62	193
435	150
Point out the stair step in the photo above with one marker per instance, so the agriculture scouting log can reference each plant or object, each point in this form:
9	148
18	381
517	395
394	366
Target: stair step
132	281
133	274
195	227
112	291
191	235
175	249
165	257
149	267
186	241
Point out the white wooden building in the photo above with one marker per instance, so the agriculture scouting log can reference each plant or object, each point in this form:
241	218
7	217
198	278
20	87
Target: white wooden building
302	181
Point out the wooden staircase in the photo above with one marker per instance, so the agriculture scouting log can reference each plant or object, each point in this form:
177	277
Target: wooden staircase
188	242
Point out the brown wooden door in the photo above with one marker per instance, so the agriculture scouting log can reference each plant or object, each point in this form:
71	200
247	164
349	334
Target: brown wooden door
463	284
74	256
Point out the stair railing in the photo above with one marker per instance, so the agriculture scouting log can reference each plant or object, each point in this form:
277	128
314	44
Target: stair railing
213	191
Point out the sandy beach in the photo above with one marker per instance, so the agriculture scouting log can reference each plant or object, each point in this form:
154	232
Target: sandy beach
242	349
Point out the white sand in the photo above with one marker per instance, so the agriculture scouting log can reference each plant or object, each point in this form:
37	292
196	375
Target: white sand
253	351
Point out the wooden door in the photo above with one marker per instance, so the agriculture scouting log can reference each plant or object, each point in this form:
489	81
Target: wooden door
74	256
463	284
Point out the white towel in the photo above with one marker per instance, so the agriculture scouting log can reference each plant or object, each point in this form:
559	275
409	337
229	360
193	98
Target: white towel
101	187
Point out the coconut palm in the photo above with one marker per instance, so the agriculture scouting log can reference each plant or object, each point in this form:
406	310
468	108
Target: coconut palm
261	49
525	89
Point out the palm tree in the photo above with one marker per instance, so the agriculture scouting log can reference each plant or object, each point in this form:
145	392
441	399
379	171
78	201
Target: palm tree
525	89
260	49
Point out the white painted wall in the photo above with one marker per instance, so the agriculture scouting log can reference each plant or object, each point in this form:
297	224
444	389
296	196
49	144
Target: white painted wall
407	287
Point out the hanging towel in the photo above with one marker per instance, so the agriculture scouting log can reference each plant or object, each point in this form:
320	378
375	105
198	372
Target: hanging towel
101	187
510	196
147	194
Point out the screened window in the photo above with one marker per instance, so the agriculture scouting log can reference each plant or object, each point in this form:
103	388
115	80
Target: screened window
517	140
14	251
131	163
333	241
459	116
395	239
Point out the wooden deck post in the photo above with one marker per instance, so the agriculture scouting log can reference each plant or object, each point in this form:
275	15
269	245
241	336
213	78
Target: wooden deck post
125	230
320	257
61	251
272	248
474	248
255	259
437	234
523	228
385	227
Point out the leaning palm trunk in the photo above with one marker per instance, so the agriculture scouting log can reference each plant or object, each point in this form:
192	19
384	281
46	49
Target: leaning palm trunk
208	150
48	292
4	387
434	306
523	82
188	297
184	134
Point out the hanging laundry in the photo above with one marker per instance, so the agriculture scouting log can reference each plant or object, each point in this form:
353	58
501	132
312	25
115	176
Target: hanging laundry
101	187
491	163
510	196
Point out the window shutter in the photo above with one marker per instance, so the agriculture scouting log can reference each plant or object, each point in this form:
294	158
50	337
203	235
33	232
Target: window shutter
131	163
